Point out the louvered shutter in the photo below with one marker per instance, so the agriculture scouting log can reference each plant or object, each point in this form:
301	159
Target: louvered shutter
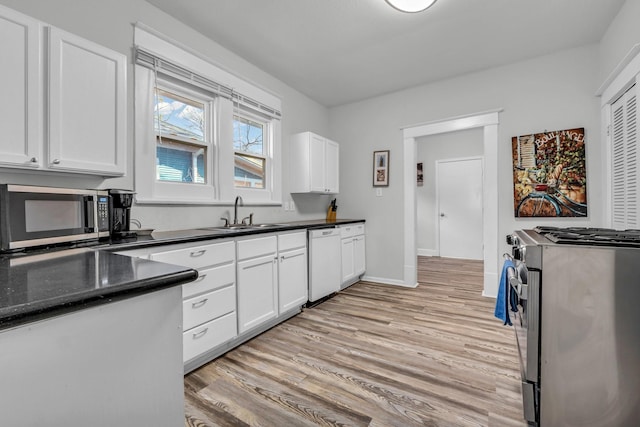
625	161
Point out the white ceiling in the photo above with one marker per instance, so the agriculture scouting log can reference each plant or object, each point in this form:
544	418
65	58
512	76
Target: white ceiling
341	51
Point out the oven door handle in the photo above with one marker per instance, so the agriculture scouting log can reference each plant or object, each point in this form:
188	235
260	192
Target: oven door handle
521	289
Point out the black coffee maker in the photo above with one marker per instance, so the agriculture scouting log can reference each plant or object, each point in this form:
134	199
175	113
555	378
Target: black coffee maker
120	202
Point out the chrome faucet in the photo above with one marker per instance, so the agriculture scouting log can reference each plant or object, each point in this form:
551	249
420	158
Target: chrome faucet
235	210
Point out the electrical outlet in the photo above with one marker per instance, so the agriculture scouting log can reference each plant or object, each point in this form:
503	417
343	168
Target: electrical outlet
292	206
285	205
379	192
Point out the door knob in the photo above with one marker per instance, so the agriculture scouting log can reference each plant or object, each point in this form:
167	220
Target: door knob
442	214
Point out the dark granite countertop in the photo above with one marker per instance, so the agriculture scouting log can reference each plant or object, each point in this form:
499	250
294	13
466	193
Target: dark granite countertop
42	285
208	233
45	282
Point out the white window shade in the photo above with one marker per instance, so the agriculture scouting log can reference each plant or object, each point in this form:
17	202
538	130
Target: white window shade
166	67
157	52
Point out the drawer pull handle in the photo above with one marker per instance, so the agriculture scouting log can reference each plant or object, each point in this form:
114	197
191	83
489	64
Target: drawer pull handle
200	278
198	253
199	303
200	334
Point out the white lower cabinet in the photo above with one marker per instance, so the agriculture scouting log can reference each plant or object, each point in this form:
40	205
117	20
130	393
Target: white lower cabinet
293	286
353	253
257	276
244	287
348	267
201	339
209	302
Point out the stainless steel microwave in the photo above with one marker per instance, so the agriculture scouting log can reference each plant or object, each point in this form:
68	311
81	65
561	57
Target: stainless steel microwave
38	216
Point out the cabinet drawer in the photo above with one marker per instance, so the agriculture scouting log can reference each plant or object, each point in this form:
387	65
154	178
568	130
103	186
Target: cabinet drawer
201	309
210	279
358	229
347	231
256	247
208	336
198	256
292	241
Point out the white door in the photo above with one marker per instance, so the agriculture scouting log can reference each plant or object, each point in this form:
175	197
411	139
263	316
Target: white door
257	294
332	166
460	208
87	111
20	87
292	285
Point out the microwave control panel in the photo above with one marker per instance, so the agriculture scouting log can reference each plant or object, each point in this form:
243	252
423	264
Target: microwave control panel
103	212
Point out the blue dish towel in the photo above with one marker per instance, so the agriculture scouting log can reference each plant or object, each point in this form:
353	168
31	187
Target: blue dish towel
502	302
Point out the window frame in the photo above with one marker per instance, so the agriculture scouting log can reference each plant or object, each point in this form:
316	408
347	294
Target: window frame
267	144
207	143
220	188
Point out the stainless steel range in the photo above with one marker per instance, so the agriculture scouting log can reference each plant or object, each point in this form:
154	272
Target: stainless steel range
578	325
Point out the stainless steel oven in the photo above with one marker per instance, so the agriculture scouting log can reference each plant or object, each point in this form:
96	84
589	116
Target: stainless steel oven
37	216
578	326
524	279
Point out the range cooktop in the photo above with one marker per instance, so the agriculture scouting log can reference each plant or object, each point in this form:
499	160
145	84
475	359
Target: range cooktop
591	236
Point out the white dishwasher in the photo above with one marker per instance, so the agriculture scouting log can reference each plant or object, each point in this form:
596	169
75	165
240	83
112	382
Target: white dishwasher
324	262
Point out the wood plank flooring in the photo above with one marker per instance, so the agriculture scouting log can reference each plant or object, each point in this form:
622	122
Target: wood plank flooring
373	355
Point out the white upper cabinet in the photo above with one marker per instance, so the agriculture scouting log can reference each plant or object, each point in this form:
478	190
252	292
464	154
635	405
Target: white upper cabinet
87	106
21	88
72	88
315	162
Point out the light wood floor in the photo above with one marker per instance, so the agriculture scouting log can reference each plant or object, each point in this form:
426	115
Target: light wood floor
374	355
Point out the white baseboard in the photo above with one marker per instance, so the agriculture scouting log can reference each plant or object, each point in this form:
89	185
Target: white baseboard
490	284
426	252
386	281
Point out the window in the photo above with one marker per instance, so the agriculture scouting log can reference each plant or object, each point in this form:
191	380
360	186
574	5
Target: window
250	161
198	140
182	142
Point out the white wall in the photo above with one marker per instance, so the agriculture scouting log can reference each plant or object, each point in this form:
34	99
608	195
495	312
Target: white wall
467	143
621	36
110	23
546	93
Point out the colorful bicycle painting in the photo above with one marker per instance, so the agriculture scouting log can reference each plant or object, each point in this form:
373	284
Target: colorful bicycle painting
549	174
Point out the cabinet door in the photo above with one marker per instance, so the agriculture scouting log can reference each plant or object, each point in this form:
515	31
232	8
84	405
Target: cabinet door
21	90
332	166
292	285
317	163
359	259
257	291
87	106
347	259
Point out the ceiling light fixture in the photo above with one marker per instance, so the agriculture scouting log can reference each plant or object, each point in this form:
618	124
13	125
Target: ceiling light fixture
411	6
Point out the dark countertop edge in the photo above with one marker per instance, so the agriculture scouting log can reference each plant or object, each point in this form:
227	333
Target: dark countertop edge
69	304
141	242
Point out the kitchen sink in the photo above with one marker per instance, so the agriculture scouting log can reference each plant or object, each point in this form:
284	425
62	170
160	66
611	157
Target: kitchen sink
241	227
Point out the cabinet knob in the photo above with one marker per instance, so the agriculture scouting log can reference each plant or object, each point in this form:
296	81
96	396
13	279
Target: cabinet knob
34	160
56	161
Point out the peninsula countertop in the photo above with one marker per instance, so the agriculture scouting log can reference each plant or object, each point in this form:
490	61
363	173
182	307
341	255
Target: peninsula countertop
42	285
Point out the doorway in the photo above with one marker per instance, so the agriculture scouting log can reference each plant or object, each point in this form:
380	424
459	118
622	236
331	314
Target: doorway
488	121
459	201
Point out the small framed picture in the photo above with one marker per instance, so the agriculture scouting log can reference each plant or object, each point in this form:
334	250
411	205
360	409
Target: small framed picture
420	175
381	168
